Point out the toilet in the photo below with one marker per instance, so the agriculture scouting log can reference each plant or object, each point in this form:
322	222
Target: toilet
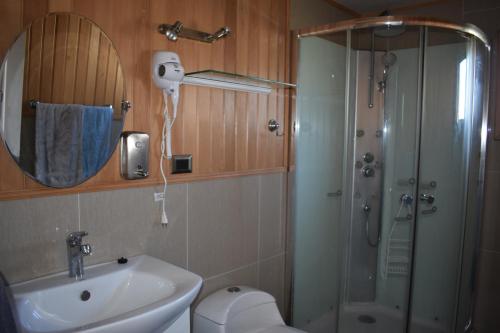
239	309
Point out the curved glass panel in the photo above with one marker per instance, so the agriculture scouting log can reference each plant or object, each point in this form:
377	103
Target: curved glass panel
320	130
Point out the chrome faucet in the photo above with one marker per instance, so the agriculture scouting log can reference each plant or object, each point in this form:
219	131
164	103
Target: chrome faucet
76	252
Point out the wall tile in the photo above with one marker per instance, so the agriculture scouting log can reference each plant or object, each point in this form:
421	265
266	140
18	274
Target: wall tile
271	279
169	242
118	222
486	317
490	236
33	235
272	215
223	225
246	276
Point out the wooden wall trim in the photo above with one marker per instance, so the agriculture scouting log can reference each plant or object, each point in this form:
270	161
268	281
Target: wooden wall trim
188	178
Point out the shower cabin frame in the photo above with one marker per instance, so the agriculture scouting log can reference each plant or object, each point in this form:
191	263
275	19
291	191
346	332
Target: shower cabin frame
473	206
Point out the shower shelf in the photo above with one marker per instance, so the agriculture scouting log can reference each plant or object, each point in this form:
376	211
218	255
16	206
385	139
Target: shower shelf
397	260
232	81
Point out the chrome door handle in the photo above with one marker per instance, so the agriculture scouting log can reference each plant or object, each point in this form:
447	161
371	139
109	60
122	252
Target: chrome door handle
430	211
428	198
334	194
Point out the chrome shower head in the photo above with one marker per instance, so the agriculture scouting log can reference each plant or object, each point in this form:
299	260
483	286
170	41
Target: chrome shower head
389	59
389	30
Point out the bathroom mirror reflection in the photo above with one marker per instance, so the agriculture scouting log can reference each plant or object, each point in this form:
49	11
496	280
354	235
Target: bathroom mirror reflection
62	92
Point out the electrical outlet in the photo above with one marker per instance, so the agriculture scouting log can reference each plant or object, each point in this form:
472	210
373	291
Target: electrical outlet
158	196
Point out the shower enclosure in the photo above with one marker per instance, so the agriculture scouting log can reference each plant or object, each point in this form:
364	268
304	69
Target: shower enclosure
390	133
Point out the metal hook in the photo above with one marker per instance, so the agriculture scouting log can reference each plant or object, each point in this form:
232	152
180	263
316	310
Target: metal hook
273	126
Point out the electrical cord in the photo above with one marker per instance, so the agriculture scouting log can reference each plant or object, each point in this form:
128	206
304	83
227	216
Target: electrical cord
166	144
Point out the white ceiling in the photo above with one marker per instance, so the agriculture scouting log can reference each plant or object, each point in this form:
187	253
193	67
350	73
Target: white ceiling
376	5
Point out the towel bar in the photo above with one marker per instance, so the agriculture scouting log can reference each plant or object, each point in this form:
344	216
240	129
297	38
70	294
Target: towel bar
125	104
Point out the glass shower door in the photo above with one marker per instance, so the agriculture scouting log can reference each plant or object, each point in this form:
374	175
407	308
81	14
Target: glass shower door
383	180
443	179
320	131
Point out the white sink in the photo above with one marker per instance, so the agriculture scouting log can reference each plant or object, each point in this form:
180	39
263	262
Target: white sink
143	295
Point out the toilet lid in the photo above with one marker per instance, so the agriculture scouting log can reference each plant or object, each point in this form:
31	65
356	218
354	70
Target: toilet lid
281	329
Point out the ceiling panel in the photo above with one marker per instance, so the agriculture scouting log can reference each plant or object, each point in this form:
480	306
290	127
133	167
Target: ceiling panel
376	5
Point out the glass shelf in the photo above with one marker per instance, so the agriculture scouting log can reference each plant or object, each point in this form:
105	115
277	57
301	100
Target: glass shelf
231	81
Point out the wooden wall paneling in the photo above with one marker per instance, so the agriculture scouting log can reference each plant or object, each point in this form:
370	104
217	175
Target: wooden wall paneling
217	157
91	70
62	26
47	75
254	44
255	21
225	131
142	83
71	59
102	71
83	63
60	5
34	62
204	106
230	46
33	9
294	61
273	112
264	137
287	92
282	76
241	130
10	24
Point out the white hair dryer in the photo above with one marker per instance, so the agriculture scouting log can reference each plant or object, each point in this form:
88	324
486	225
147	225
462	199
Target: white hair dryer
167	75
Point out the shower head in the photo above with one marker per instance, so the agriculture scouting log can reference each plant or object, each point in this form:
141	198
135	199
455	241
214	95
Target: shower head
389	30
389	59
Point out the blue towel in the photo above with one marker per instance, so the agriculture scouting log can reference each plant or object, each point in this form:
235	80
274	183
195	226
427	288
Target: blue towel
58	144
7	312
97	122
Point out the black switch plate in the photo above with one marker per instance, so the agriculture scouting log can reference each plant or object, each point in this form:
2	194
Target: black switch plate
182	163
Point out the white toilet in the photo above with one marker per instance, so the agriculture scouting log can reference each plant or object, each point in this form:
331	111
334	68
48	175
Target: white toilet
239	310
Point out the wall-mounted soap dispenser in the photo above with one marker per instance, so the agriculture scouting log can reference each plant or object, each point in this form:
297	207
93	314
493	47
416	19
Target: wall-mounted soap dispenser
134	151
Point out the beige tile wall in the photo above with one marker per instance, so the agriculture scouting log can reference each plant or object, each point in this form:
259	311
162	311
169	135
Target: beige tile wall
228	231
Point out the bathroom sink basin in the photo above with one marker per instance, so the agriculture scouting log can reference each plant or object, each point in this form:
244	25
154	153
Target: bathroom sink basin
143	295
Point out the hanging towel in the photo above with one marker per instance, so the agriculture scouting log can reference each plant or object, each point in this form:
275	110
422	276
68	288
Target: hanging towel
7	321
97	122
58	144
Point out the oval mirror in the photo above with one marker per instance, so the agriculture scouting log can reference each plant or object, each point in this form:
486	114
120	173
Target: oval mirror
62	100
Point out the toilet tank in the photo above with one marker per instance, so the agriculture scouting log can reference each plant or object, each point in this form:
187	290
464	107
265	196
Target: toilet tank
234	309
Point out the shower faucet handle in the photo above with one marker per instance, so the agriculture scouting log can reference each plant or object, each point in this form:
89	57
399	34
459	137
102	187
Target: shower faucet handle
368	171
428	198
406	199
